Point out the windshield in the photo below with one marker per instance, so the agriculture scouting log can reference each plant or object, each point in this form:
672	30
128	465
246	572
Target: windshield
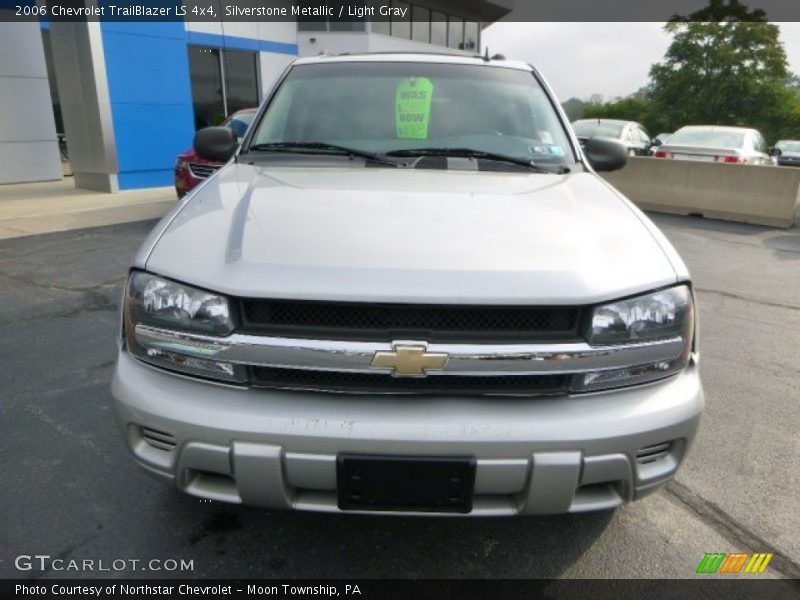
240	122
393	107
707	137
788	146
590	129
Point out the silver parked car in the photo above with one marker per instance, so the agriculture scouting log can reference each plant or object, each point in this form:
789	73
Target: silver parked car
658	141
409	291
789	153
713	143
630	133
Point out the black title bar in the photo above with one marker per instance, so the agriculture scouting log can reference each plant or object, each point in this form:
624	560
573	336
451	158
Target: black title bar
486	11
517	589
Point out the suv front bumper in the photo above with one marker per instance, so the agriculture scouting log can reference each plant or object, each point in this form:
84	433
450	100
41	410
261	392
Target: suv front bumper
279	449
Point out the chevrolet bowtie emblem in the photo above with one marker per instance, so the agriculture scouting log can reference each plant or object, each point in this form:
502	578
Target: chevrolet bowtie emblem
410	361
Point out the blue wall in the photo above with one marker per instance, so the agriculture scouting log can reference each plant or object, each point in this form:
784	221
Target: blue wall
147	65
151	99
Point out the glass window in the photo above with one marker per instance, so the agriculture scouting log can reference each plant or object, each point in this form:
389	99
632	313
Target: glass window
472	40
240	121
215	97
309	24
381	27
401	26
439	29
421	24
630	135
51	76
347	25
718	138
455	33
595	128
206	76
788	146
241	80
359	105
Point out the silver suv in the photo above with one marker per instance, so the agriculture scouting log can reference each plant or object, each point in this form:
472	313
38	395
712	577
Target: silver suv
408	291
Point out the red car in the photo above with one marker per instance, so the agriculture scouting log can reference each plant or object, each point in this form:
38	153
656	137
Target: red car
190	169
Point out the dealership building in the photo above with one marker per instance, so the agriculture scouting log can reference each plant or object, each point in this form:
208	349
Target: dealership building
122	99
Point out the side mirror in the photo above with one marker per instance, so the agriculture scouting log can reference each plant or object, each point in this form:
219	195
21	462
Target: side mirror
776	152
216	144
656	142
605	154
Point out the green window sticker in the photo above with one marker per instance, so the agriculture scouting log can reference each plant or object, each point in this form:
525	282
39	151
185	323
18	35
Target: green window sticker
413	114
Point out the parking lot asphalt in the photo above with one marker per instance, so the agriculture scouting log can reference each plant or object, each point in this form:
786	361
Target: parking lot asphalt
70	490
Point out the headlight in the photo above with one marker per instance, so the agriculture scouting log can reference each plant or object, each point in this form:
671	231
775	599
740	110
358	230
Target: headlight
659	316
182	163
158	303
171	305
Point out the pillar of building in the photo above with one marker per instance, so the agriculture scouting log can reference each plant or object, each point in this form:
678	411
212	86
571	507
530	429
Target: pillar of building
126	101
28	142
80	71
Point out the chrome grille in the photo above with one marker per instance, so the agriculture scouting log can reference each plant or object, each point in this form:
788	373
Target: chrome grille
202	170
310	363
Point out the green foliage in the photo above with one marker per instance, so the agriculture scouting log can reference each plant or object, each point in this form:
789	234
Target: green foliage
723	72
574	107
725	66
632	108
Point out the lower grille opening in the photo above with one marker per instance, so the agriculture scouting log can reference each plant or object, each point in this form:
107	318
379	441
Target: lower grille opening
598	496
158	439
654	453
379	383
212	486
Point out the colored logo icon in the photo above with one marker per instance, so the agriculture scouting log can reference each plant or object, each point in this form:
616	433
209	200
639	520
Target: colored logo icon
736	562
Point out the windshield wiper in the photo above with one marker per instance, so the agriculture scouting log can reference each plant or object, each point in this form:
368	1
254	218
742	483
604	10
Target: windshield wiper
322	147
472	153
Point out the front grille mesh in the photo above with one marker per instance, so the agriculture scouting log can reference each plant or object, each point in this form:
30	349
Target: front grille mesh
387	322
338	381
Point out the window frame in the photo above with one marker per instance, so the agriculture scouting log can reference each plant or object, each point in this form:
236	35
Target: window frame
220	52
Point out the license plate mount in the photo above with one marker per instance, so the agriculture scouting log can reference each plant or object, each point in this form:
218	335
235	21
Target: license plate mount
405	484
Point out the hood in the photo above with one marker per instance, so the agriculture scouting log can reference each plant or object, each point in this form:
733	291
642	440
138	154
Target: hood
405	235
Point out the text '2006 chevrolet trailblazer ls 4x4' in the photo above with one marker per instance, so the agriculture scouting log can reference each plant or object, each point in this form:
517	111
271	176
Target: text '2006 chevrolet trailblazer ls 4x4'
409	291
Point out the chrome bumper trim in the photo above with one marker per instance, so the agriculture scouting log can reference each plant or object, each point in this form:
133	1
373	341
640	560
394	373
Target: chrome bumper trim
464	359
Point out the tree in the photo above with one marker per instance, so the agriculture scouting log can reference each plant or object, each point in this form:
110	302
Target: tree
632	108
574	107
725	66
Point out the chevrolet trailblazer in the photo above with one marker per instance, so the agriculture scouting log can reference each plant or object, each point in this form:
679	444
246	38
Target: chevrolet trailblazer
408	291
